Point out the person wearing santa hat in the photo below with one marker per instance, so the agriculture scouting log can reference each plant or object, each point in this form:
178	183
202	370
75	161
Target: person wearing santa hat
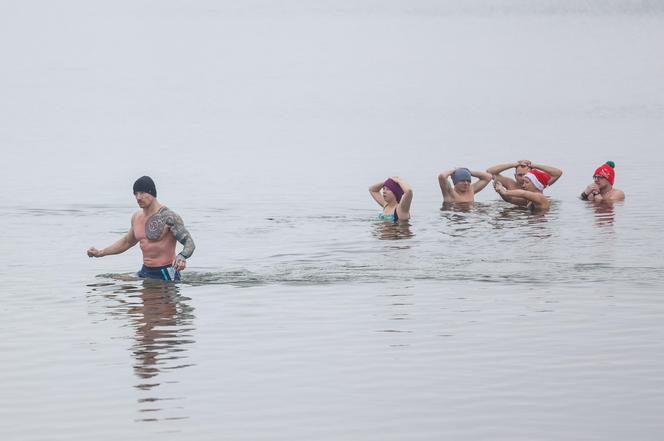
602	189
532	190
521	167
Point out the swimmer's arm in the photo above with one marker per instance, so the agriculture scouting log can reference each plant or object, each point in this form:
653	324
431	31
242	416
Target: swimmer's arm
127	241
445	186
536	198
514	200
407	198
484	179
614	196
376	194
555	173
499	168
174	221
503	192
589	193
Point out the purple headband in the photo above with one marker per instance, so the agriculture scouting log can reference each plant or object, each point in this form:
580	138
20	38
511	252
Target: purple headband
394	188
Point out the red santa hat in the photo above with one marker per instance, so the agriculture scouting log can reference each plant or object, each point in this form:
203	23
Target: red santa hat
607	171
539	178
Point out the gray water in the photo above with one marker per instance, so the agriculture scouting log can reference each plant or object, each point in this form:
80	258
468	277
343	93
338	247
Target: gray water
300	316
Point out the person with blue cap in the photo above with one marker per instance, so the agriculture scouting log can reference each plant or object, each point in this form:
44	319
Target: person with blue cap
156	228
462	188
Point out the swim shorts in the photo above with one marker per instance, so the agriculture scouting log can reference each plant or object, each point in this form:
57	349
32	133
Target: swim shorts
160	272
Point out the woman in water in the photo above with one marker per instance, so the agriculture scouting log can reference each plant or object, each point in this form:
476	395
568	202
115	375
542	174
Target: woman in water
532	191
395	196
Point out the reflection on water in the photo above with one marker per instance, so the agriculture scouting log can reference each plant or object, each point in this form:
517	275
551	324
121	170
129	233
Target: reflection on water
463	218
524	222
604	212
470	220
163	328
459	207
392	230
398	305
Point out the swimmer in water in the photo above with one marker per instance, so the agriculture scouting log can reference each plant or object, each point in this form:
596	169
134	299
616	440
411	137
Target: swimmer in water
521	168
156	228
462	188
532	190
394	195
602	189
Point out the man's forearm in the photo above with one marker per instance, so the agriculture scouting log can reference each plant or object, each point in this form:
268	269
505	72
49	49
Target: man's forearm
189	246
118	247
499	168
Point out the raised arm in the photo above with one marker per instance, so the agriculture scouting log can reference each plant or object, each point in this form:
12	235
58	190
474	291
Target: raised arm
374	190
445	186
123	244
407	198
555	173
498	169
590	192
484	179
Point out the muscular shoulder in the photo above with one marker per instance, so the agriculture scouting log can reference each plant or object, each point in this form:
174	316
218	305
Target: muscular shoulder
176	225
169	217
508	183
137	217
617	195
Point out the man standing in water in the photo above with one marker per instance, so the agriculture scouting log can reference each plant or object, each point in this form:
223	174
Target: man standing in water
156	228
521	168
461	190
602	189
532	190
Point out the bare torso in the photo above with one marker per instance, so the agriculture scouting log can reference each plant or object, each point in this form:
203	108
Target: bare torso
155	238
467	196
612	195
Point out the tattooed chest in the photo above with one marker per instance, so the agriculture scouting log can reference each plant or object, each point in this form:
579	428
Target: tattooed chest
154	226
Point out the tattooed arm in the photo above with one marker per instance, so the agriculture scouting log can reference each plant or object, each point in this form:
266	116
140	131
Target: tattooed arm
174	221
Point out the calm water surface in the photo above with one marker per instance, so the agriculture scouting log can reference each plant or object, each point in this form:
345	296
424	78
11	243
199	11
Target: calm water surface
301	316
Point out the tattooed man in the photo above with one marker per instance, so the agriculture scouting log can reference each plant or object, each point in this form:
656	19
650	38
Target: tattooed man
156	228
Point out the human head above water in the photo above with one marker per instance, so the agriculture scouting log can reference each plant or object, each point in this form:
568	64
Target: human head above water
461	174
607	171
145	184
540	179
520	171
394	187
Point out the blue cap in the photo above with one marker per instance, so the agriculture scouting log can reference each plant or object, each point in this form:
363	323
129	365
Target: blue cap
461	174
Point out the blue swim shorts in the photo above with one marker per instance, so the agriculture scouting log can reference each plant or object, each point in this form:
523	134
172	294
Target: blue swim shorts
160	272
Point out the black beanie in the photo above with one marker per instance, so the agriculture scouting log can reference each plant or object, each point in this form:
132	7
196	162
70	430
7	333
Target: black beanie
146	185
